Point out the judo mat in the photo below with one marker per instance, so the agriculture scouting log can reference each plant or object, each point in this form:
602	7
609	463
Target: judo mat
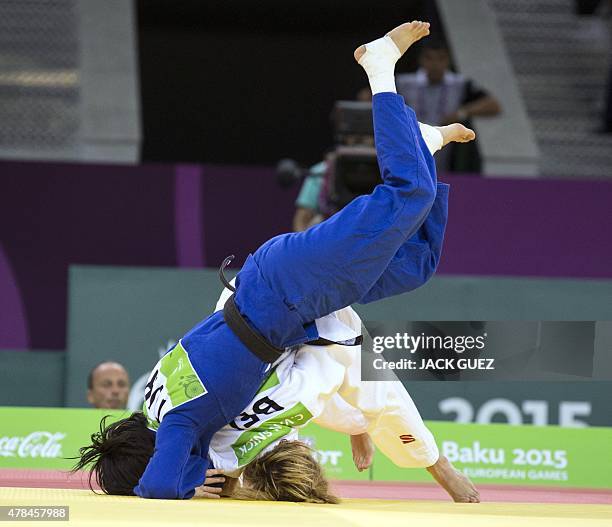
87	508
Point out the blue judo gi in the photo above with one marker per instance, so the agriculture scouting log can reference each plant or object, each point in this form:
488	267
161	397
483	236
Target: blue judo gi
379	245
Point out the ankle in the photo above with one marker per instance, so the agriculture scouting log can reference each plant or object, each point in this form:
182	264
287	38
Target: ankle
378	61
439	466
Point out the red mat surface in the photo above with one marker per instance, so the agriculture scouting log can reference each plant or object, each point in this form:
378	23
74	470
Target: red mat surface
54	479
46	479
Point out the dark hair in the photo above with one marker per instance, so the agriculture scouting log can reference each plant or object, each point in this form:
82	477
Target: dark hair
434	44
118	455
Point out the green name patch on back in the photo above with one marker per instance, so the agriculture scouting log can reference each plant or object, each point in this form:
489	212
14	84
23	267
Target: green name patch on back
172	382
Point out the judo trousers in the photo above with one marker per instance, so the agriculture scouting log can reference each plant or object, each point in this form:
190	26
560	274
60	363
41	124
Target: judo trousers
382	244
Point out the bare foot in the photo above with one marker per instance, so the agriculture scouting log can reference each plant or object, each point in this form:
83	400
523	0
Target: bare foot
403	36
457	484
457	133
363	451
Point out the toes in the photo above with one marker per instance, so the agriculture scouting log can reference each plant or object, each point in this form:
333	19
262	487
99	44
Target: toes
416	26
470	498
359	52
465	134
423	28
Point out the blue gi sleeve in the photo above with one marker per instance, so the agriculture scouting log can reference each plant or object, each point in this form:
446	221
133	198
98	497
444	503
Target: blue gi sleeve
177	466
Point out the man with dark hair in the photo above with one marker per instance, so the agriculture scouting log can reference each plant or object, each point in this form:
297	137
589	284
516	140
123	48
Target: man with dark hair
108	386
383	244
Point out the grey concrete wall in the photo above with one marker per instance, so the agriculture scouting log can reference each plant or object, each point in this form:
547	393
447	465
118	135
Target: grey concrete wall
507	142
130	315
470	298
110	108
69	81
32	378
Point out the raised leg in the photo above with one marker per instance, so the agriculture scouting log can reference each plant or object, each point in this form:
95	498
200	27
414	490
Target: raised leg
417	259
335	263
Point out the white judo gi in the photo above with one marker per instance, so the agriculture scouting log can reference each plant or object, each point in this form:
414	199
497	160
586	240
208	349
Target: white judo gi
322	384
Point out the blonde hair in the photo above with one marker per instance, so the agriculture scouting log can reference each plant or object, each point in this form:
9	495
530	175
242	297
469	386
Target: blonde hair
288	472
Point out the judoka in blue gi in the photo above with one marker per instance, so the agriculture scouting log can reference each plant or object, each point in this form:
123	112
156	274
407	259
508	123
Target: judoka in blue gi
382	244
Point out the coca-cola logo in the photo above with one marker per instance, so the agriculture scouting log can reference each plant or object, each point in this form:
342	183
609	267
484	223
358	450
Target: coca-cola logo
36	444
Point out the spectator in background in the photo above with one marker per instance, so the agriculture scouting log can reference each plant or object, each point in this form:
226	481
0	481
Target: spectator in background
607	116
440	96
108	386
588	8
312	205
307	210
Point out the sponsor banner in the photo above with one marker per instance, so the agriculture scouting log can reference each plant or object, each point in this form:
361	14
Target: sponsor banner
44	438
517	455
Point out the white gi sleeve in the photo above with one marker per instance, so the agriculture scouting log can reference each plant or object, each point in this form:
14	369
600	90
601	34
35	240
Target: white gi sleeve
388	412
225	294
340	416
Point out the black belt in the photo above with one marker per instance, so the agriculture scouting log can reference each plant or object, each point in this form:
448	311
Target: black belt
247	335
259	346
326	342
